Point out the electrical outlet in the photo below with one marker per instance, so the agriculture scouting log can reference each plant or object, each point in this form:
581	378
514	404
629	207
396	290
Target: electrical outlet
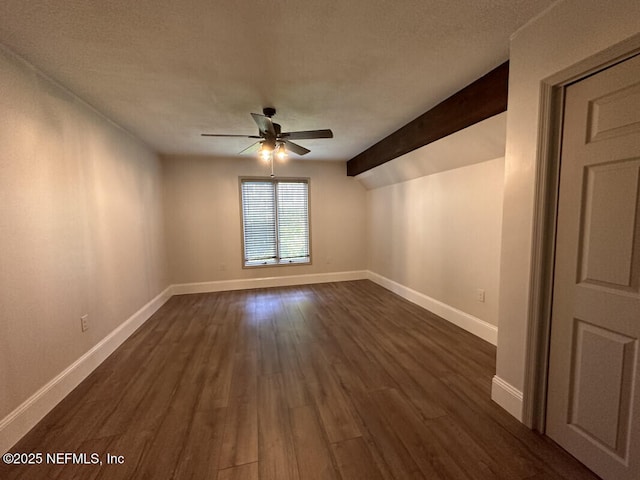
223	267
84	322
480	295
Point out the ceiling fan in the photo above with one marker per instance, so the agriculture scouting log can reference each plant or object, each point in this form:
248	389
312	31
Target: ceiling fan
273	139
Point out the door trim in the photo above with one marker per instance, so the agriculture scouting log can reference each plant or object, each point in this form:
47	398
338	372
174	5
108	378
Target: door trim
552	92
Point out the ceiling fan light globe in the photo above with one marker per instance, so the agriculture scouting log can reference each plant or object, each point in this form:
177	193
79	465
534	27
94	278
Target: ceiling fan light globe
265	154
282	153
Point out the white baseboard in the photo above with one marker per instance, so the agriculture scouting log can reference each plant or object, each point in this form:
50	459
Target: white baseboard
15	425
478	327
266	282
507	396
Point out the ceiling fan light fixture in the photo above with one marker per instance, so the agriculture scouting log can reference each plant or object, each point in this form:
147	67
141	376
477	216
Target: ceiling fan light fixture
282	152
265	152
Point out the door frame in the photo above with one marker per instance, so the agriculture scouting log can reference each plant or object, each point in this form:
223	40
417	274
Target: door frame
552	93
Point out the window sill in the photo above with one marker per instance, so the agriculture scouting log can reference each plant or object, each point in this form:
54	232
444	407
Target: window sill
273	263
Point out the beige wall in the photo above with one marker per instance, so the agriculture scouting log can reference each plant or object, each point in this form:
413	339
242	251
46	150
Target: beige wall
440	235
81	229
202	212
569	32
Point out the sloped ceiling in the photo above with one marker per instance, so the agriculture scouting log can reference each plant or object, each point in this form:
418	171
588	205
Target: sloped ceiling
169	70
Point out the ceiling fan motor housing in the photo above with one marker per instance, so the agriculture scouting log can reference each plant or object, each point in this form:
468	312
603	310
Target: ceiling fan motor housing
269	111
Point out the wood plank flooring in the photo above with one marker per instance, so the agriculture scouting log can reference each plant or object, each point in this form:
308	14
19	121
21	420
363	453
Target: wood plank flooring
332	381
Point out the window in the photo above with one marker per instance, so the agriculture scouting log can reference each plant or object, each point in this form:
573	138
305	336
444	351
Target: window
275	221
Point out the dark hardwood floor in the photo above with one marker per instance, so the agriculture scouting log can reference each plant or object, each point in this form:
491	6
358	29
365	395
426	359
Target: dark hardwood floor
330	381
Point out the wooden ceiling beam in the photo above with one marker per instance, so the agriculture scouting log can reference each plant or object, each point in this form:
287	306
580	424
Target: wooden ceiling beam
478	101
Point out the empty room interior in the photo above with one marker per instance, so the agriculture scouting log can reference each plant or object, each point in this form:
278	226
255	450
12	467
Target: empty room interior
320	240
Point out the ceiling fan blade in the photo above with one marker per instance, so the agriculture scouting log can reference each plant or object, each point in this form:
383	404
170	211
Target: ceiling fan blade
253	148
307	134
264	124
295	148
228	135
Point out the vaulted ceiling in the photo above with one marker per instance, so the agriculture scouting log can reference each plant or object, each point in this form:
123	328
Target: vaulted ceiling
168	70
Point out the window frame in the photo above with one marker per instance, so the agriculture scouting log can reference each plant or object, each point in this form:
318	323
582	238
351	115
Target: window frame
306	180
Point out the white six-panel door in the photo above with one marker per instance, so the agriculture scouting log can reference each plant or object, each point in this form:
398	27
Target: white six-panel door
593	404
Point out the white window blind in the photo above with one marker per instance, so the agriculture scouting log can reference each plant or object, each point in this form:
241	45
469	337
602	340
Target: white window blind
275	221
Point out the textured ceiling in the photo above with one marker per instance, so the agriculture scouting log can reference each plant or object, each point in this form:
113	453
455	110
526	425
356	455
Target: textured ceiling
169	70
